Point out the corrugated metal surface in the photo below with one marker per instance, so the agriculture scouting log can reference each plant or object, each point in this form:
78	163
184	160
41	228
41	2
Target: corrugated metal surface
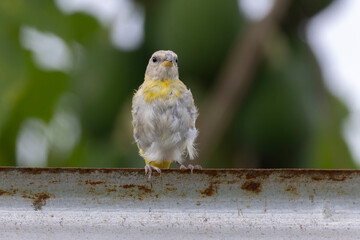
53	203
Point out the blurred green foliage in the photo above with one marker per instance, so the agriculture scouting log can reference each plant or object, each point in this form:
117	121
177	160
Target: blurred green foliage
287	119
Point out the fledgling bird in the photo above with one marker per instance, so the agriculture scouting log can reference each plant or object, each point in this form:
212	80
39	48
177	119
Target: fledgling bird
164	115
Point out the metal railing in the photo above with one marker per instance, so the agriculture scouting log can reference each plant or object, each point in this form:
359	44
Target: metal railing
69	203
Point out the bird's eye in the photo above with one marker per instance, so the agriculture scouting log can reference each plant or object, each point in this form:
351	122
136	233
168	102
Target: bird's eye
176	60
154	59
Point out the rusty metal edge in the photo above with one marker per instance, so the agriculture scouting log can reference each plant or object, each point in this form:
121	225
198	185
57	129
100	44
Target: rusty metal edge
218	203
207	170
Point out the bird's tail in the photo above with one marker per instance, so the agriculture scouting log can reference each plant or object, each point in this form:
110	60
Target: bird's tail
192	151
190	142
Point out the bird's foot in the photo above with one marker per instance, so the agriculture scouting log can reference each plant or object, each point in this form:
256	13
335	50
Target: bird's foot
148	170
192	167
181	166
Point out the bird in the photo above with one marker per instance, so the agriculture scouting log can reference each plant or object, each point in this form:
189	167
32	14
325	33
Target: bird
164	116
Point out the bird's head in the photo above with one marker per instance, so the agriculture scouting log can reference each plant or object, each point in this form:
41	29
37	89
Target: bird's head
163	65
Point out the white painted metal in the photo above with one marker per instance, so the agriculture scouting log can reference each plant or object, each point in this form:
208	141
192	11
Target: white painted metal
210	204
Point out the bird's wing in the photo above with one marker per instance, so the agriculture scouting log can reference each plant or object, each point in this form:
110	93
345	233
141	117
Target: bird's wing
137	117
192	132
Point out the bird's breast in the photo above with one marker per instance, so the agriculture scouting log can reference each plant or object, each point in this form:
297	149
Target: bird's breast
162	89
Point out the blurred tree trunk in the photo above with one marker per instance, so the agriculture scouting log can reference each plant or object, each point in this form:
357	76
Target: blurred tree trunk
233	81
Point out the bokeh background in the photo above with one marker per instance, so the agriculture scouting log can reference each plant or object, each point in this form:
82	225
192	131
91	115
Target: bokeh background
276	82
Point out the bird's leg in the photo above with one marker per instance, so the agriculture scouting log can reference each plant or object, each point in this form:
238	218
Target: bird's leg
197	167
181	166
148	170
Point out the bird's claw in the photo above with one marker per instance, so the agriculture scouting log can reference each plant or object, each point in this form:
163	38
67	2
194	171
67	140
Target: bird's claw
182	167
192	167
148	170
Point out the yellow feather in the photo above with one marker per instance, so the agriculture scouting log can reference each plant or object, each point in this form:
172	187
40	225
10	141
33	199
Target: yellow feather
165	164
162	89
160	165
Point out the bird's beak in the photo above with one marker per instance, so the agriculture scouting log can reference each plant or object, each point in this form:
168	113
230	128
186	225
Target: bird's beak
167	64
168	61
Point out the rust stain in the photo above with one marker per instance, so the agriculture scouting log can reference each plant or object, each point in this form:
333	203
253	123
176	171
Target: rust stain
317	178
292	190
333	177
2	192
293	174
145	188
54	181
198	203
111	190
33	171
40	200
169	184
211	173
127	186
93	183
171	189
265	209
209	191
251	186
286	176
10	193
318	175
257	173
239	175
231	182
92	190
27	197
337	177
